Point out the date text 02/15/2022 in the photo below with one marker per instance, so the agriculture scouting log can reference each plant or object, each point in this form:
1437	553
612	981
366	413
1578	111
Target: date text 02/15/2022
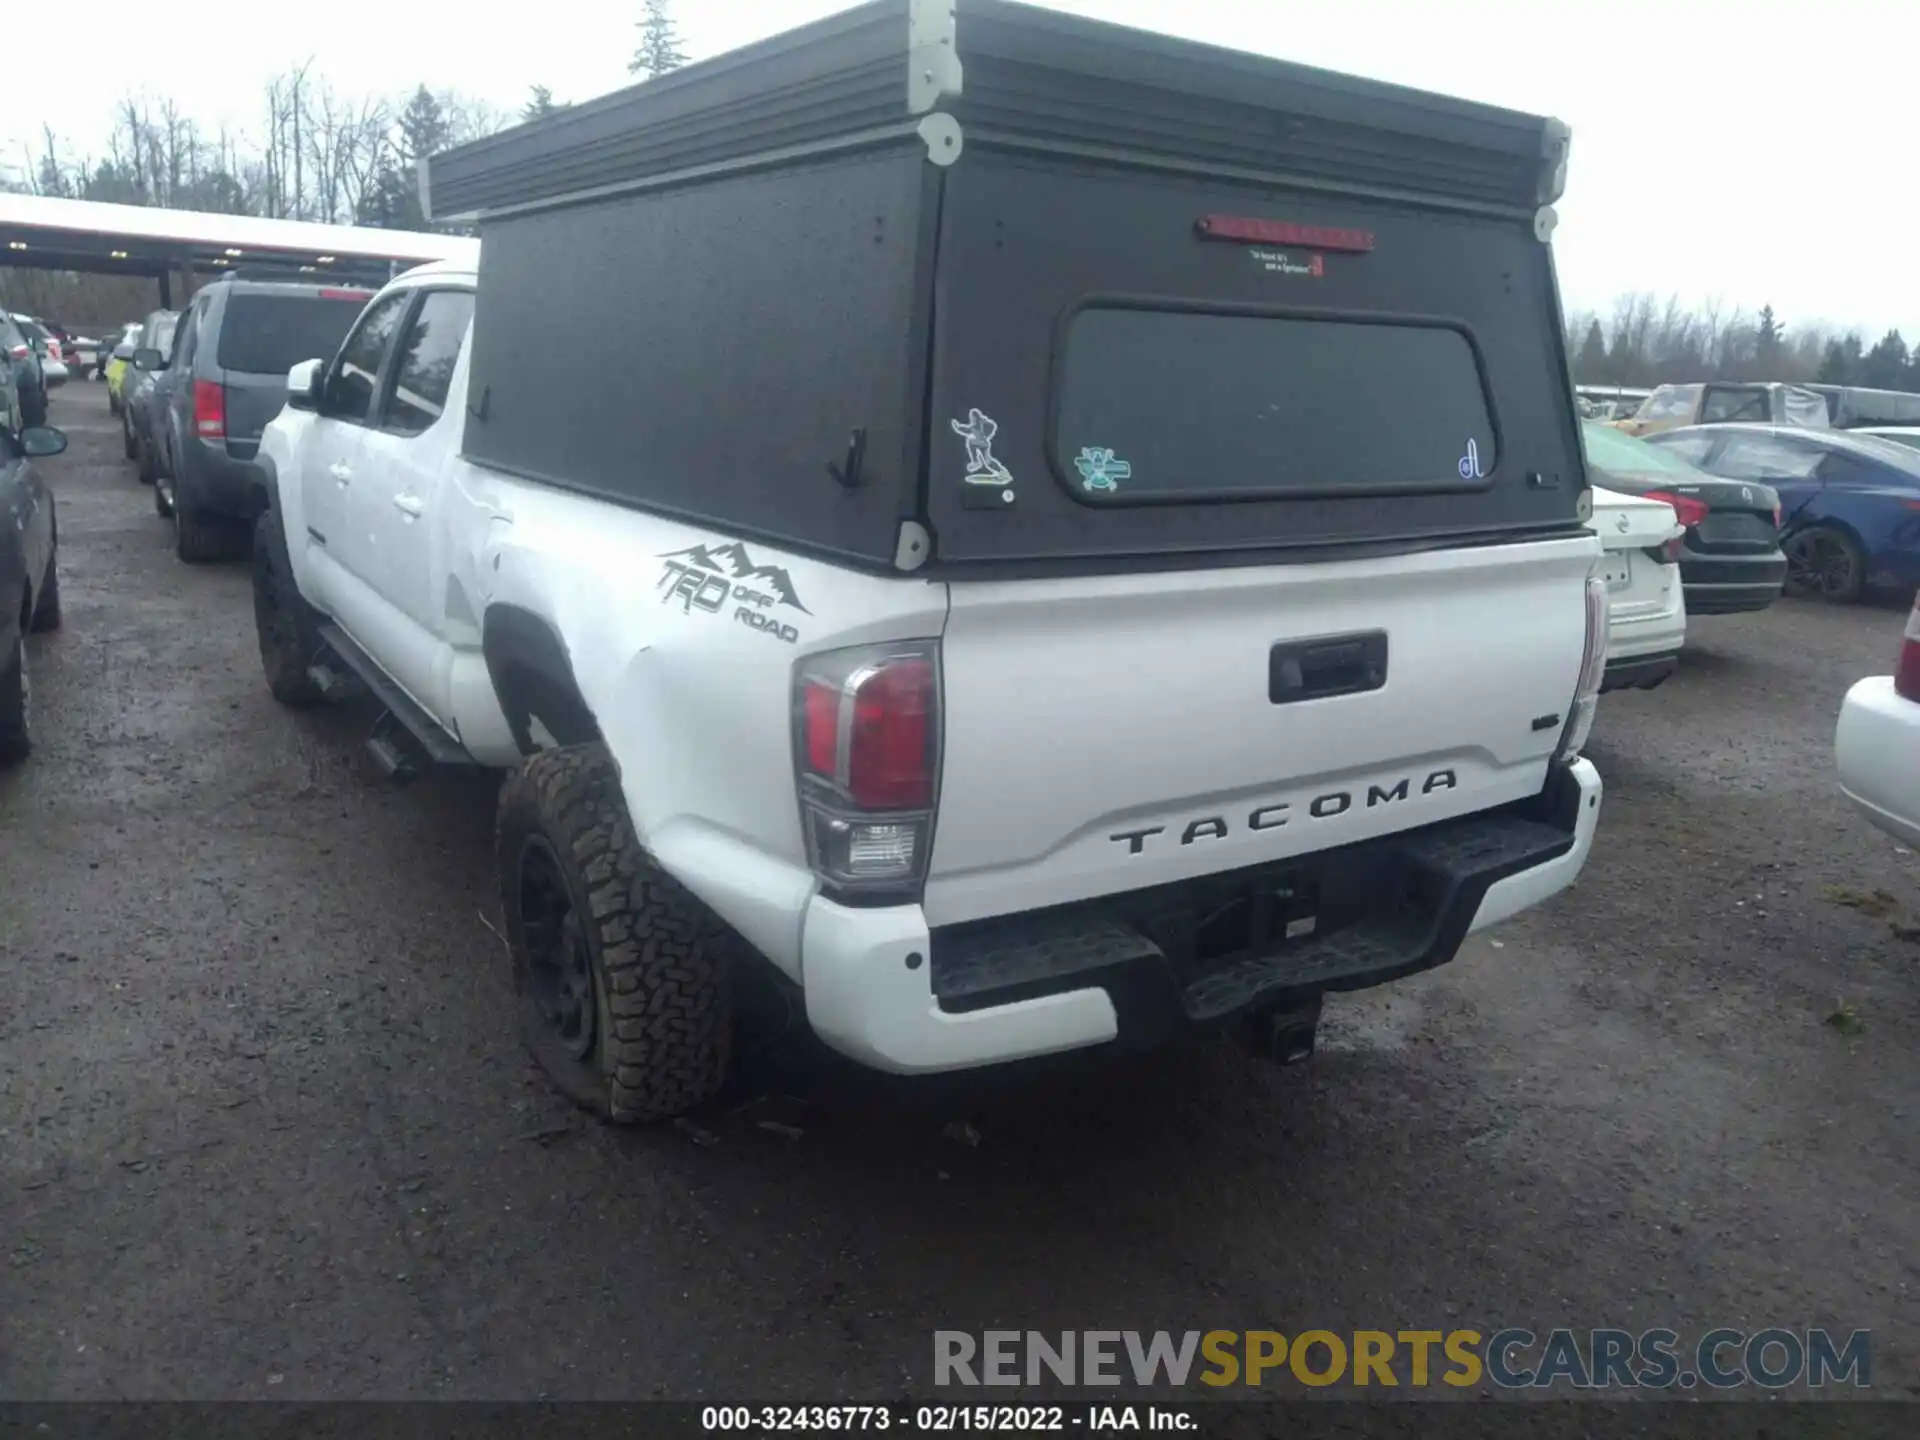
944	1419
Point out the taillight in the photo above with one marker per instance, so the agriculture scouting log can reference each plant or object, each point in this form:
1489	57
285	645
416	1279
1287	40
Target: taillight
1906	679
1593	666
867	745
209	410
18	352
1690	510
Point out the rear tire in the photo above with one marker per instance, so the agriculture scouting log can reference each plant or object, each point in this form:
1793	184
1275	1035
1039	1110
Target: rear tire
198	538
128	444
622	978
288	628
16	693
1824	561
46	609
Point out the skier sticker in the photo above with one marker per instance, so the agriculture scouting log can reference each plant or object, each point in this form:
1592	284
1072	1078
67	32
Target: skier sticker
1099	470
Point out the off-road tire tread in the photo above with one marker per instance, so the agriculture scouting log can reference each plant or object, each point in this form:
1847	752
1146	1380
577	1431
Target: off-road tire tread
286	666
666	1026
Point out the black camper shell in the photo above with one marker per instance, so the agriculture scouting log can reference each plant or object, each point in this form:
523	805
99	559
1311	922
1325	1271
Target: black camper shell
986	287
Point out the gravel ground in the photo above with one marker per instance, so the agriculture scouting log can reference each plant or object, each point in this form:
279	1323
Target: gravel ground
265	1130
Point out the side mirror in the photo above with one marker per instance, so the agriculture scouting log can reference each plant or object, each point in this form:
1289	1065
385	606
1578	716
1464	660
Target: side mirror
40	441
147	358
303	385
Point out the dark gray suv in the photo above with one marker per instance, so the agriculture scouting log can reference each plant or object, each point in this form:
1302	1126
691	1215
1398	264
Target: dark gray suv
237	341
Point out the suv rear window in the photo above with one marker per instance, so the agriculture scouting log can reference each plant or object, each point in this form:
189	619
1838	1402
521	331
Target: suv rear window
1166	404
270	334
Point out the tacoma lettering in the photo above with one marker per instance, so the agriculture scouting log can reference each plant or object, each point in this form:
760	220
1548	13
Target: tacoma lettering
1272	817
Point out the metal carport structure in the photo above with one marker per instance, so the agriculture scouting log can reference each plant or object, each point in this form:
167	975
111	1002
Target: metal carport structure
48	233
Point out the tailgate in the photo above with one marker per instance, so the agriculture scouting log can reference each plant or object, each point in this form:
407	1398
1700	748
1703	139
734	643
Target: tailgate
252	400
1114	733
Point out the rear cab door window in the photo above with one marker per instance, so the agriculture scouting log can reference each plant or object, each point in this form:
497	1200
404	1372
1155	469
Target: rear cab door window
353	380
423	368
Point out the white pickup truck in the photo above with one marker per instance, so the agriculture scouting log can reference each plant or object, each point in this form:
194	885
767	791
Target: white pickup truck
1007	643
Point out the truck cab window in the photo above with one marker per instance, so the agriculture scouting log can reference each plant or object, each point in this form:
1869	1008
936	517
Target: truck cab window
350	384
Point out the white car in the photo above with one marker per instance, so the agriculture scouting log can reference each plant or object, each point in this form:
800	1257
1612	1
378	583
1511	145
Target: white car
1877	743
1646	606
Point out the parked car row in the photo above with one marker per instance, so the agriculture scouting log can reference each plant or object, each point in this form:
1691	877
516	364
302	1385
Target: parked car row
32	364
29	574
200	386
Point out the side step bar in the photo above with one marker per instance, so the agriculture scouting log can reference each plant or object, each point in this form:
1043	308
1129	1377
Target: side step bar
405	738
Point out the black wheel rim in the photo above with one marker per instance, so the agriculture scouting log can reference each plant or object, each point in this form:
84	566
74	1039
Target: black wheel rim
1820	563
559	960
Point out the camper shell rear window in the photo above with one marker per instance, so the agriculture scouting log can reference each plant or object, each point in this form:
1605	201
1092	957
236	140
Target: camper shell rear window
1160	403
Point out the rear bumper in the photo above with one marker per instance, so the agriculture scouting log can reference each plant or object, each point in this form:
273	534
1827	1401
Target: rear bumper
885	990
1876	748
215	481
1729	586
1639	672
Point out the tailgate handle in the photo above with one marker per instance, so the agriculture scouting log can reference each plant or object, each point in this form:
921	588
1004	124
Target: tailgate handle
1332	665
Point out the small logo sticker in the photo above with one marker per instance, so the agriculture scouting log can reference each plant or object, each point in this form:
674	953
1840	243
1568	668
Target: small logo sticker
978	431
1288	262
1099	470
1470	462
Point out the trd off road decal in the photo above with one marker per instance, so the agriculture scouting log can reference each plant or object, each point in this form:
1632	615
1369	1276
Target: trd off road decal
706	577
989	482
1099	470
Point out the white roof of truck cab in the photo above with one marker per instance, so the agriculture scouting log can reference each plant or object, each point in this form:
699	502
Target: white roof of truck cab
30	222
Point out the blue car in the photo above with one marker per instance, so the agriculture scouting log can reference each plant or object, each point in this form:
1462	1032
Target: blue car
1850	503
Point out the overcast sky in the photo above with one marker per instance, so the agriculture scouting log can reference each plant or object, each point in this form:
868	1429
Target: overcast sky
1720	148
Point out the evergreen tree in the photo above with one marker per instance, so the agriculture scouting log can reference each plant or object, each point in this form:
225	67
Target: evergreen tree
1769	345
1835	368
540	105
391	201
1885	365
1590	365
423	126
660	49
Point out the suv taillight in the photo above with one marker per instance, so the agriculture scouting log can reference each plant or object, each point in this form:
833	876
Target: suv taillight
1906	678
209	410
867	746
1593	666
